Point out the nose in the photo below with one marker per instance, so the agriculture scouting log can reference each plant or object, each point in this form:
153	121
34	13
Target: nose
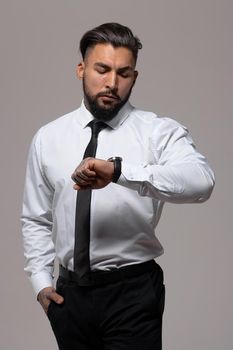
111	81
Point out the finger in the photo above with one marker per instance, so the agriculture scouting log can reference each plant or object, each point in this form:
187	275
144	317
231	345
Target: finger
81	175
90	174
85	174
83	178
57	298
80	180
78	187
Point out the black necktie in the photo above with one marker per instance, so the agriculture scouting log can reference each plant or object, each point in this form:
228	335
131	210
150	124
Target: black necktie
82	218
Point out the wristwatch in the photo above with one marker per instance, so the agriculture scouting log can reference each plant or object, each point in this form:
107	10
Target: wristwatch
117	167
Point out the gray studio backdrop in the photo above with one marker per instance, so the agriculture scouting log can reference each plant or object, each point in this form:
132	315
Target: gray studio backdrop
185	72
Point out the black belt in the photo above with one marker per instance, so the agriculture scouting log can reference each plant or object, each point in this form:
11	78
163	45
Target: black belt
96	278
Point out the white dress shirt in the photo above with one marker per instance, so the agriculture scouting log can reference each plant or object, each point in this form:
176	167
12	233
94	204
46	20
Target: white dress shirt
160	164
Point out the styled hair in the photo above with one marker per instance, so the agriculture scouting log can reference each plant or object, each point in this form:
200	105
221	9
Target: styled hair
110	33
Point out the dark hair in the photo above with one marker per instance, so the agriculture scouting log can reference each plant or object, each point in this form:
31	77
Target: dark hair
110	33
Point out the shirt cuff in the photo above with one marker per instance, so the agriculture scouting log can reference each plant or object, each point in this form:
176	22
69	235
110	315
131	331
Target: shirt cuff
41	280
151	180
132	176
132	172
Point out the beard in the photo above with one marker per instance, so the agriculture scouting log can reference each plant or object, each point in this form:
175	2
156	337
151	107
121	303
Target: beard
104	113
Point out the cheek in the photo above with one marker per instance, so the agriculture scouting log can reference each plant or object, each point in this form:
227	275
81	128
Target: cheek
95	83
125	88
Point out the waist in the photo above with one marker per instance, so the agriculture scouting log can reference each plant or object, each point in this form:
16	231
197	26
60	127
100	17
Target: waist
95	278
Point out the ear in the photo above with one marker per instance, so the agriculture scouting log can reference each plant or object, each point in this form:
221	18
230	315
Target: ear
135	76
80	70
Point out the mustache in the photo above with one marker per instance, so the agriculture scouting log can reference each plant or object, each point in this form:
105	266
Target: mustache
110	93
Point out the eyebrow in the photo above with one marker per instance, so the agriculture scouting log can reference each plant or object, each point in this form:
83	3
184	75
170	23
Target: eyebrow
121	69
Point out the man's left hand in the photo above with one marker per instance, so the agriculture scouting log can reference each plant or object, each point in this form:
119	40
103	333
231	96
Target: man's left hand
92	173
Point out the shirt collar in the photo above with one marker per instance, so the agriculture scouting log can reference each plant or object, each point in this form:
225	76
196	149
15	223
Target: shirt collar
114	123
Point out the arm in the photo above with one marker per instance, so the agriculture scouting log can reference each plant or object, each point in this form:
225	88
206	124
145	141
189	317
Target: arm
178	174
37	225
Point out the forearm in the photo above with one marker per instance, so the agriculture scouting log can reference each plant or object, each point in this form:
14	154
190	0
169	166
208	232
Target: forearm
39	253
178	183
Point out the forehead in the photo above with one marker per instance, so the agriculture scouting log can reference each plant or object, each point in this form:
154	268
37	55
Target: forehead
110	55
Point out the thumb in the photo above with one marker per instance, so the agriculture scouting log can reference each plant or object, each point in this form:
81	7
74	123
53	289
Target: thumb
57	298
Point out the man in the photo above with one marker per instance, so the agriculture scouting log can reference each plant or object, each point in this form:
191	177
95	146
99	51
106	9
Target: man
95	206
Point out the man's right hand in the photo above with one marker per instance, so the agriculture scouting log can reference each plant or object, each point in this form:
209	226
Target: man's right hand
47	295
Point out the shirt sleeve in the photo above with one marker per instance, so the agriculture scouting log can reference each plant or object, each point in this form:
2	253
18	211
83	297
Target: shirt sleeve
37	221
178	174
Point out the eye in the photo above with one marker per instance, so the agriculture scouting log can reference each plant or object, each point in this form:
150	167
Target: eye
125	73
101	70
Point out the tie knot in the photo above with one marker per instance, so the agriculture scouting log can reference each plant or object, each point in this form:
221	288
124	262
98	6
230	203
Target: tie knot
96	126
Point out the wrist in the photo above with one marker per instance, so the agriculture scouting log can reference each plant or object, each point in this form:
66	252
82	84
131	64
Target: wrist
117	168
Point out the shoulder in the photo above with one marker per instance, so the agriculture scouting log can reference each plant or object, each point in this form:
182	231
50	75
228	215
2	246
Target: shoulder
162	122
60	123
161	130
58	127
145	116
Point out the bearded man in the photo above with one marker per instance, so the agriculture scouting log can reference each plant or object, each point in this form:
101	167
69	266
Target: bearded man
96	182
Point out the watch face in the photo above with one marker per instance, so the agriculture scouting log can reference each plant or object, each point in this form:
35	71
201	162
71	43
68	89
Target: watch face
112	159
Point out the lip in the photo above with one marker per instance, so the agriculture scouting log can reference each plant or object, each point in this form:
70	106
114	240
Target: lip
110	97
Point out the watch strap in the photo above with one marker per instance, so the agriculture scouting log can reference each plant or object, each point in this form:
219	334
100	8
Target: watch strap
117	168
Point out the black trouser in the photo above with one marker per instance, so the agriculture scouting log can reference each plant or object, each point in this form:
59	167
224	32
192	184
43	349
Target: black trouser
121	315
